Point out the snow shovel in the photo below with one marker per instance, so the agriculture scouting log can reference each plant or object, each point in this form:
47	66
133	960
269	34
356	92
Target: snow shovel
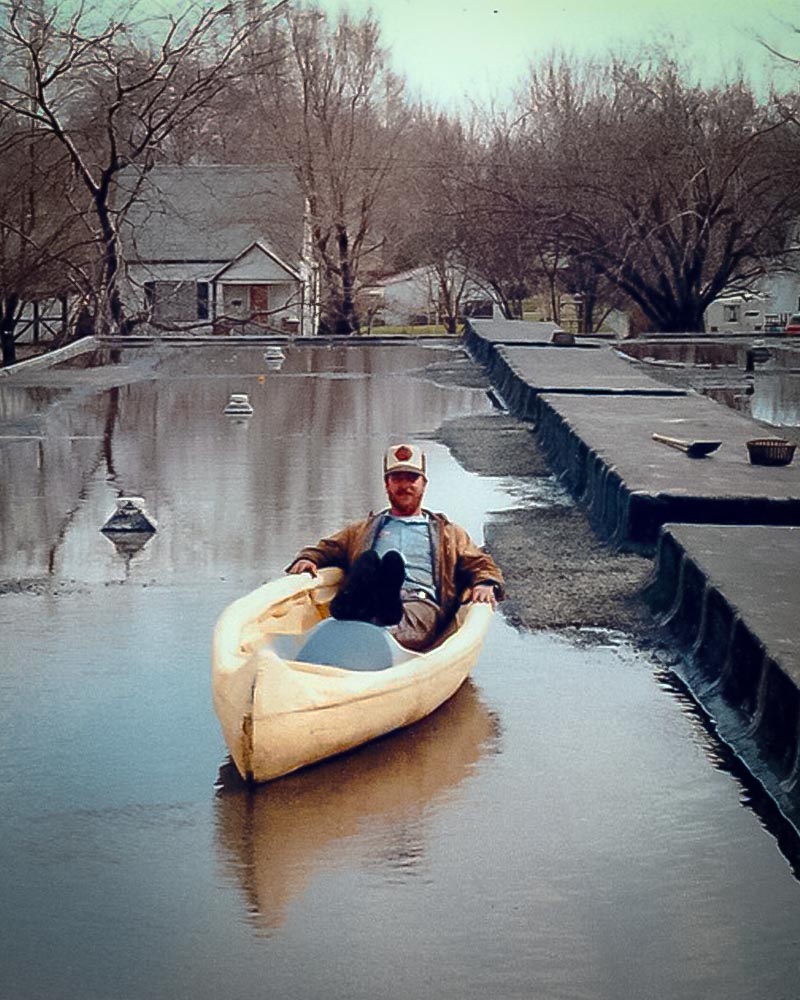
694	449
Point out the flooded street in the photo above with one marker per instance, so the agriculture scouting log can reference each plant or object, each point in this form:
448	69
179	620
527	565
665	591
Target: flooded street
766	390
564	828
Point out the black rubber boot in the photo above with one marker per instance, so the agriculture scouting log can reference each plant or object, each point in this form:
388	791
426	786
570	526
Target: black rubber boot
392	575
355	602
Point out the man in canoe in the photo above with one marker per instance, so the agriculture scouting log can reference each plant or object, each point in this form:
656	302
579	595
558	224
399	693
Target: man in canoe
407	568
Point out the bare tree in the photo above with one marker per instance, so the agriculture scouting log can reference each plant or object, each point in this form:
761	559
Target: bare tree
673	193
786	99
43	247
503	220
111	90
427	220
682	194
335	112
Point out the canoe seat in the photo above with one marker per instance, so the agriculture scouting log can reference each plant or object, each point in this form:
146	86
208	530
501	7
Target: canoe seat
352	645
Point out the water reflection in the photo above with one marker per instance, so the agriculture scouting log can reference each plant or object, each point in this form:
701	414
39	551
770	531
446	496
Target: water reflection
709	354
273	839
128	544
598	856
769	392
776	398
167	438
771	397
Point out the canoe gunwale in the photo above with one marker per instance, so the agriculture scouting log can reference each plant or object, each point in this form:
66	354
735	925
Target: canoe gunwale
259	694
409	670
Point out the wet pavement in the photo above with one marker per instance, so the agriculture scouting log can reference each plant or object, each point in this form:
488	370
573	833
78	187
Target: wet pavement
566	827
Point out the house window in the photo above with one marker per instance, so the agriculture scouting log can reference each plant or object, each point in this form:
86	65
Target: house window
202	300
731	314
171	301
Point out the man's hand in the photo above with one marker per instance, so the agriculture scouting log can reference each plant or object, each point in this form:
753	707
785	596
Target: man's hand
303	566
483	593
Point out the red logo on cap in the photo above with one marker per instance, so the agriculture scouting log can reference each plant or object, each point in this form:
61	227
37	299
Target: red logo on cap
403	454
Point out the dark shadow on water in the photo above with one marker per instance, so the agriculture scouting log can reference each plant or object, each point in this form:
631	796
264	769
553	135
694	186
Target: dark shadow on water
752	794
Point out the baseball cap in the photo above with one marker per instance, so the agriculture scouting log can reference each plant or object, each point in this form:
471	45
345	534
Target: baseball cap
404	458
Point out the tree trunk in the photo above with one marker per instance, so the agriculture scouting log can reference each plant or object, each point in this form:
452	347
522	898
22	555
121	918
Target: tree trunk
685	317
555	303
447	298
347	319
9	348
8	321
115	320
505	305
586	311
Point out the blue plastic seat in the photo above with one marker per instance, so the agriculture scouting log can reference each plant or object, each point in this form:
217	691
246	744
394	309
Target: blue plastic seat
352	645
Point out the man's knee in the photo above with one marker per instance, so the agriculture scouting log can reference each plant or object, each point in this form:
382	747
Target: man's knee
419	626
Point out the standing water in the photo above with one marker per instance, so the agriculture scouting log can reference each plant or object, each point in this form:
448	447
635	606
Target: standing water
562	828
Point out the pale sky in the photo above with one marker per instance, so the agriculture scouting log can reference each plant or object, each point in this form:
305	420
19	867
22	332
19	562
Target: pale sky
449	48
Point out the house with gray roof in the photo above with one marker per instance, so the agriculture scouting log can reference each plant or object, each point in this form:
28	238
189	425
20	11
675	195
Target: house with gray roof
220	248
416	296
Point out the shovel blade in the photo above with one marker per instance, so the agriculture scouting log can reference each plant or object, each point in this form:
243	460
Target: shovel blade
694	449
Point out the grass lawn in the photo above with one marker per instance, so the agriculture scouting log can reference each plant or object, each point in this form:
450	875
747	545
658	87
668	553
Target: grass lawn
434	330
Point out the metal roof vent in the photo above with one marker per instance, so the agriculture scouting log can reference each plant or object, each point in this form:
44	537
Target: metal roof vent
239	405
130	515
274	357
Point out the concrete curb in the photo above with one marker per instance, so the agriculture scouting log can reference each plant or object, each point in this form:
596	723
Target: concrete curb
52	357
625	519
724	584
629	507
604	450
746	685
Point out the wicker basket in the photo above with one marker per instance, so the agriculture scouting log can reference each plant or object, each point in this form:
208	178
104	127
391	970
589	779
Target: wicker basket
770	451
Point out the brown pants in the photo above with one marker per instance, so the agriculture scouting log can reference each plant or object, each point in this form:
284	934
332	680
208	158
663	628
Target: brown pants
418	628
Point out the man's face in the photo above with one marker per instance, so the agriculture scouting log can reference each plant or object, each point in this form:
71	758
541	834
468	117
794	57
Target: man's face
405	491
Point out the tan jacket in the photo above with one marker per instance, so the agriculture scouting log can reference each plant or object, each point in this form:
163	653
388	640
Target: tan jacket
458	564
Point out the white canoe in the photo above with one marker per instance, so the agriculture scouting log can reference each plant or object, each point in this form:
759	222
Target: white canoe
279	714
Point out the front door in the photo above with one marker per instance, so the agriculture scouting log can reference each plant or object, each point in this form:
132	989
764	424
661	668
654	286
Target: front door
259	304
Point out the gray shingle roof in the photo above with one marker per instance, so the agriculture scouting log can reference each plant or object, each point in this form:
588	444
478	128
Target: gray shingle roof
212	212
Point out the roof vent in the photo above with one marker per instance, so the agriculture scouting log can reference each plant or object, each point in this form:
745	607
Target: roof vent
239	405
274	357
130	515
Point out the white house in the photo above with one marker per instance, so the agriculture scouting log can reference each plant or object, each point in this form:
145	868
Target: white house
775	298
219	247
416	296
